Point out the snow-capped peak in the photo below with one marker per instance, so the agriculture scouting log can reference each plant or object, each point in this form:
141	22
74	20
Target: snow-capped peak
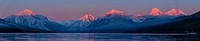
26	12
155	12
175	12
114	11
87	17
29	19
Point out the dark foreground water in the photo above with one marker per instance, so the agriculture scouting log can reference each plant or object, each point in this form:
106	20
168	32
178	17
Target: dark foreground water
96	37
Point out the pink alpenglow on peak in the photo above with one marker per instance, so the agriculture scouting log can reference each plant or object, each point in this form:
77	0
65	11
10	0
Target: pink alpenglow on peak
26	12
87	17
114	11
156	12
175	12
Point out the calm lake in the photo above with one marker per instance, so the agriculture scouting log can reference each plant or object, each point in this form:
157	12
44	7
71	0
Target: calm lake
96	37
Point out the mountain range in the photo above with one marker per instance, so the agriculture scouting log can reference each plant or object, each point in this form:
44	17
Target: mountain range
115	21
184	24
31	20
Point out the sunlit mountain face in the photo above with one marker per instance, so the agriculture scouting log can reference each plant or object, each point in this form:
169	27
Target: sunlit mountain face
79	25
175	12
87	17
114	11
156	12
172	12
26	12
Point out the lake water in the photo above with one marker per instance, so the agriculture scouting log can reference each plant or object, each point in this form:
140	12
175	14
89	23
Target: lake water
96	37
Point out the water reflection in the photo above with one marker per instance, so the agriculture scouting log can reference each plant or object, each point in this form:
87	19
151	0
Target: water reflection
85	37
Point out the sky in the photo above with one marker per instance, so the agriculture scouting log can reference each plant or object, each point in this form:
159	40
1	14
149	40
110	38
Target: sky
74	9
